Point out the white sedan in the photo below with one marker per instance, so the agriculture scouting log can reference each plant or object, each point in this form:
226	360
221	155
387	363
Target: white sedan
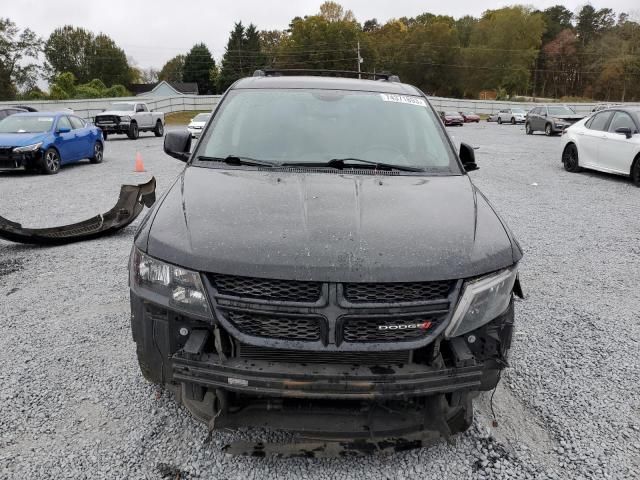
197	123
608	141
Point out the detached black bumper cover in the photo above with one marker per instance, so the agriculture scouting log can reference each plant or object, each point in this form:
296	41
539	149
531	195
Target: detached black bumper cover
132	200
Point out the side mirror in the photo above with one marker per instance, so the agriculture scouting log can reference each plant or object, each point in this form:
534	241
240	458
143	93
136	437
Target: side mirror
64	130
178	145
468	157
626	131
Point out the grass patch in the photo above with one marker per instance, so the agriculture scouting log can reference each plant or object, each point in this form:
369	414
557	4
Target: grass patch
182	118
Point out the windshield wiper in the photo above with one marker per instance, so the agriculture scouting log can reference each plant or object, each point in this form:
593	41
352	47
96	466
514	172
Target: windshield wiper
342	163
236	160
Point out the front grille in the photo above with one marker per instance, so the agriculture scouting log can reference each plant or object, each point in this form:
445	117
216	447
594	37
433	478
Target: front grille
366	329
396	292
302	356
107	119
275	325
267	289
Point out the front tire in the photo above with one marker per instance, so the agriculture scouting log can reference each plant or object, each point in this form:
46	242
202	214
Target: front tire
635	172
548	131
499	121
98	153
133	132
51	161
159	130
513	121
570	158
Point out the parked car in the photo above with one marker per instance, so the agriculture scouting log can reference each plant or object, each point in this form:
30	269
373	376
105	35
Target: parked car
197	123
451	118
312	293
469	117
5	112
550	119
511	115
45	141
493	117
608	141
130	118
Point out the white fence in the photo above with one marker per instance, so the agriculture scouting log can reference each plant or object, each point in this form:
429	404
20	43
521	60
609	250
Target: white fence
87	109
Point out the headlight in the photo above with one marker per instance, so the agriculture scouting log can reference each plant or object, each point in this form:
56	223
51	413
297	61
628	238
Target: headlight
481	301
28	148
179	287
125	119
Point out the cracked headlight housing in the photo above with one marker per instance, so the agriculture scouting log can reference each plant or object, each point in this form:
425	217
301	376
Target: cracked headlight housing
28	148
168	284
481	301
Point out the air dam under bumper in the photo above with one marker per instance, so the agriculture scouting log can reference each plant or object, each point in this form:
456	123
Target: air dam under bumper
132	200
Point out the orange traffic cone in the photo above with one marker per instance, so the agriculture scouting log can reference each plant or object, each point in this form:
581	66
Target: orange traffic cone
139	164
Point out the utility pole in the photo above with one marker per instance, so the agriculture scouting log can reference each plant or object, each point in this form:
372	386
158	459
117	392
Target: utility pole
359	60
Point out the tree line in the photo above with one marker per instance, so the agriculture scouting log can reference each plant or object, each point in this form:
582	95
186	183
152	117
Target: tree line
512	51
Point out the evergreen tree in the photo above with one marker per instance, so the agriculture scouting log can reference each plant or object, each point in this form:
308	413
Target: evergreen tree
198	64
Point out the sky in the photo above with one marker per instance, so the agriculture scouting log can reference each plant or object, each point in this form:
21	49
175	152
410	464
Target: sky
154	31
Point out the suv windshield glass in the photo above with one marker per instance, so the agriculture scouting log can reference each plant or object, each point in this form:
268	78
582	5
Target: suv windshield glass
121	107
517	110
26	124
561	111
316	126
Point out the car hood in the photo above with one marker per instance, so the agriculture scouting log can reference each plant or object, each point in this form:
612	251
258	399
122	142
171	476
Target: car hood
21	139
327	227
197	124
128	113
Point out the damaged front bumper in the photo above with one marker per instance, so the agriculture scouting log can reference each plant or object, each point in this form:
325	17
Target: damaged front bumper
132	200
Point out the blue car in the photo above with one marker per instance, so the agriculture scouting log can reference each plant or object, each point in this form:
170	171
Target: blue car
45	141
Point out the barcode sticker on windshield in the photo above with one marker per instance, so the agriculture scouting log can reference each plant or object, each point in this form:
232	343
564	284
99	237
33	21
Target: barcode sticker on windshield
390	97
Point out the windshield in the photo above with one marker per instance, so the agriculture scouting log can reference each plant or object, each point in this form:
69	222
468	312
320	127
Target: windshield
26	124
121	107
316	126
517	110
201	117
452	114
561	111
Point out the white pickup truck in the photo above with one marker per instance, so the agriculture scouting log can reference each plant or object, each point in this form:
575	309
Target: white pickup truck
130	118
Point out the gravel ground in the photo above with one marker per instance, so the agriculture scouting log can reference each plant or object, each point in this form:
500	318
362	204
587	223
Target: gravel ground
74	404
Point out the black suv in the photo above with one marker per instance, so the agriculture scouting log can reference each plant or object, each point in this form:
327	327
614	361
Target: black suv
324	265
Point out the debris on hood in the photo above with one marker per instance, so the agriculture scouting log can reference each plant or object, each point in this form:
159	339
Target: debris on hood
132	200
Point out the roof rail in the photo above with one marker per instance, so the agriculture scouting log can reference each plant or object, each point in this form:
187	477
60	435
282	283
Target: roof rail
279	72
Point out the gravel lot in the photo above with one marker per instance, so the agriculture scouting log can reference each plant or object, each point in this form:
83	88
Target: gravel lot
74	405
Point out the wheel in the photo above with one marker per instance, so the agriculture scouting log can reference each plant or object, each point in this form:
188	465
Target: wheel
50	161
635	172
477	121
527	128
159	130
513	121
133	132
570	158
547	130
499	121
98	153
